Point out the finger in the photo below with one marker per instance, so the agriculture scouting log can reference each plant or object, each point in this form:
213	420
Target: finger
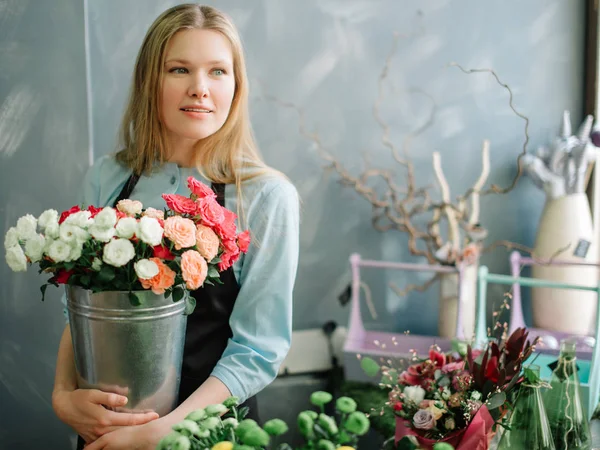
107	398
128	419
98	444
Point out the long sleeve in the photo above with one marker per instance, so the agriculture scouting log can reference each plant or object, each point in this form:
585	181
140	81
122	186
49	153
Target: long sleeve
261	320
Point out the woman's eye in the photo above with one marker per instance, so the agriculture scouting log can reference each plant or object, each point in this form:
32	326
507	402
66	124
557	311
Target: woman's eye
178	70
219	72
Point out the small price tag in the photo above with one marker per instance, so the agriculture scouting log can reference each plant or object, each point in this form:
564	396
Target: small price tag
582	248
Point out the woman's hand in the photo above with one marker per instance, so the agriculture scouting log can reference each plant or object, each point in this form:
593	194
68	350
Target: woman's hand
141	437
84	410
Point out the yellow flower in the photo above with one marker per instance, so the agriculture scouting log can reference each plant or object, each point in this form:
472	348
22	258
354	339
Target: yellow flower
345	447
226	445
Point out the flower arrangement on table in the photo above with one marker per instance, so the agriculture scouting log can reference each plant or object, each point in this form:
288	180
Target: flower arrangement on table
130	248
456	399
224	427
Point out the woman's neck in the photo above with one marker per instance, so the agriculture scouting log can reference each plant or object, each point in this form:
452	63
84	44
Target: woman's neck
182	152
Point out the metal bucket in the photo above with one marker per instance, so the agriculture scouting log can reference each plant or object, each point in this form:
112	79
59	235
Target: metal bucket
131	350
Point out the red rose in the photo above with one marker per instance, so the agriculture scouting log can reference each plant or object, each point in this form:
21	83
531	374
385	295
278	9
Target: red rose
180	204
229	256
62	276
243	241
67	213
398	406
211	213
94	210
226	229
162	252
200	189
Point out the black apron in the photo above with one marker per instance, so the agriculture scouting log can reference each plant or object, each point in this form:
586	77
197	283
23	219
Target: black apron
208	329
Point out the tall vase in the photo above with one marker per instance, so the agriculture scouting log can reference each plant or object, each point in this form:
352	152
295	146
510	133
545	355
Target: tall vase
455	289
566	221
132	350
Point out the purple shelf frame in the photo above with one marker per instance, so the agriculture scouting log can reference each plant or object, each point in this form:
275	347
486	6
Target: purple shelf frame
551	339
362	342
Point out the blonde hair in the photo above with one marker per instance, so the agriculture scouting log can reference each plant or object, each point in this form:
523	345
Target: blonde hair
226	155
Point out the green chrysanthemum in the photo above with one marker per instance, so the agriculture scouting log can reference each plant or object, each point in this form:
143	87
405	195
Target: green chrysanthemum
320	398
328	424
256	437
345	405
324	444
357	423
275	427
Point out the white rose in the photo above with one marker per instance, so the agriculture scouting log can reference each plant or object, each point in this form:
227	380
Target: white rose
107	218
97	264
11	238
26	227
52	230
130	207
118	252
81	219
47	218
150	231
15	258
145	269
414	393
59	251
101	234
126	227
34	248
72	233
76	248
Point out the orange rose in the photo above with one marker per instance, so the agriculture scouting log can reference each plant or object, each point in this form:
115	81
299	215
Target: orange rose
181	231
161	281
194	269
207	242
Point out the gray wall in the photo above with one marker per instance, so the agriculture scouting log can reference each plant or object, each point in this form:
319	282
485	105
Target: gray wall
326	57
43	154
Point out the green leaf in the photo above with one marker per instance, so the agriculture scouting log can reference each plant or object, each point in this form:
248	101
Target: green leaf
134	299
85	280
190	305
213	272
370	366
496	400
177	294
107	273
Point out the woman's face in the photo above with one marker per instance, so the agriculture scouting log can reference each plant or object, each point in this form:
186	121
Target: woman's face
198	84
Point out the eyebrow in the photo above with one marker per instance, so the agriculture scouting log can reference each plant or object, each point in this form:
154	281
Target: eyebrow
188	63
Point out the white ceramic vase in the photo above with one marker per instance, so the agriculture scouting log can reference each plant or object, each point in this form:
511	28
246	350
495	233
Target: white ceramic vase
566	221
451	292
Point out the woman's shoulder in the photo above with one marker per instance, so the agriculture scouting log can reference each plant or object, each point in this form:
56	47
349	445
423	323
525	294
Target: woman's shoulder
270	187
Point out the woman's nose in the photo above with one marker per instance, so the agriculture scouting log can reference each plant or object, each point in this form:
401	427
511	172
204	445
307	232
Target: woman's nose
198	88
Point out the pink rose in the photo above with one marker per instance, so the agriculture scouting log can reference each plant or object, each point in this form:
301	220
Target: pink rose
193	269
180	204
229	256
154	213
211	213
243	241
453	367
181	231
207	242
424	420
200	189
226	229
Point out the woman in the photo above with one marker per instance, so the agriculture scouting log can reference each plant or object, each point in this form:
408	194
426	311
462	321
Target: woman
188	115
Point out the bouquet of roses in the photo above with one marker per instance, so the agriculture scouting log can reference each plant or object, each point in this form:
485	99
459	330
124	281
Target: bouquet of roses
455	398
130	248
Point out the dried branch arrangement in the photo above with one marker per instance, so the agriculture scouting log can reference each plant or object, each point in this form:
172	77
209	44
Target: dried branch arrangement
405	207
